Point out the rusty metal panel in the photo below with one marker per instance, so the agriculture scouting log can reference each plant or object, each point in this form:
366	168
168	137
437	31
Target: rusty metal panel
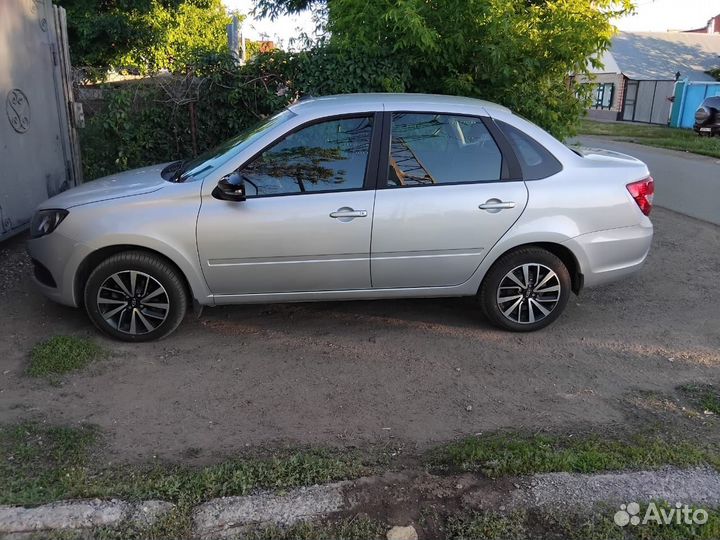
36	154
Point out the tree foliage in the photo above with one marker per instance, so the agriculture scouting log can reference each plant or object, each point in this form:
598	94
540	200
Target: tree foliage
516	52
519	53
144	35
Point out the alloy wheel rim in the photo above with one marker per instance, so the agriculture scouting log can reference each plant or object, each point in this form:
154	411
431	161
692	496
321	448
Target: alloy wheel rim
133	302
528	293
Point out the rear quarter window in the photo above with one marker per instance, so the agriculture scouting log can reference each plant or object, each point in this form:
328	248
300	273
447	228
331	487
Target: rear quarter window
536	162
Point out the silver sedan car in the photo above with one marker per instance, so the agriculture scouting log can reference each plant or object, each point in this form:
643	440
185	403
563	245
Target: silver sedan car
350	197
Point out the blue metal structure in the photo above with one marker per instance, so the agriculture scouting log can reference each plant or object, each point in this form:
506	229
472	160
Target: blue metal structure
689	95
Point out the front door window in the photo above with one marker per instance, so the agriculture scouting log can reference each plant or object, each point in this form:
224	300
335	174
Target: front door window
326	156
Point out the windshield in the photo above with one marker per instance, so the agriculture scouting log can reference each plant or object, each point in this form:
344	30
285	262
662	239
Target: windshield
182	171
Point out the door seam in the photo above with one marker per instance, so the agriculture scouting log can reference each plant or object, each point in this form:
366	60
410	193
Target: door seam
383	128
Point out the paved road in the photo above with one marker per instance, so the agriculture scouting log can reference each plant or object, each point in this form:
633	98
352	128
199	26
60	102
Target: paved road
684	182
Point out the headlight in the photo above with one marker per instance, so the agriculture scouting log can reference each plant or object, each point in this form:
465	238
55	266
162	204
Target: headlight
46	221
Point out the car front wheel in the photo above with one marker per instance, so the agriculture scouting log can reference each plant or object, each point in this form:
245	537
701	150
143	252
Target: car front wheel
525	290
135	296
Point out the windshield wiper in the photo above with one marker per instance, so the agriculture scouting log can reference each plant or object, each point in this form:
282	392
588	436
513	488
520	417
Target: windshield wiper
179	171
173	170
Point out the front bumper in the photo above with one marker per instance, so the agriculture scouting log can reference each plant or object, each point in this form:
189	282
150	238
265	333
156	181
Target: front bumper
606	256
56	259
707	129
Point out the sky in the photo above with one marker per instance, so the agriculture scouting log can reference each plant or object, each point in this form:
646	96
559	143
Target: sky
280	30
652	15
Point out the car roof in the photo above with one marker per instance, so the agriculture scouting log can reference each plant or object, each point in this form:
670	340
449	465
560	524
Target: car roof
382	101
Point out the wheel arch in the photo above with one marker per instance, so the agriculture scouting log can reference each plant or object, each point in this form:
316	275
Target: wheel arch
93	259
568	258
562	252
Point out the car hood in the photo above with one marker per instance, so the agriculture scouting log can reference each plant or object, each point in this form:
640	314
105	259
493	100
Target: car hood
115	186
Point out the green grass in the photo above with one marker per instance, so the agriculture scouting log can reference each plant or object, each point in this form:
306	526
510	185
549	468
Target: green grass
660	136
566	524
500	454
62	354
705	397
488	526
40	464
355	528
572	525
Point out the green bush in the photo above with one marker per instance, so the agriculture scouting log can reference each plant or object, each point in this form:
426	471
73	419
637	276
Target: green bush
150	121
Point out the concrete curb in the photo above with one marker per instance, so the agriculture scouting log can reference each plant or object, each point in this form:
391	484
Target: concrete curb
699	486
80	515
229	516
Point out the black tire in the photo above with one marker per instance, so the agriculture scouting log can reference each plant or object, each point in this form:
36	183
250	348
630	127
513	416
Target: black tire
146	268
704	115
489	290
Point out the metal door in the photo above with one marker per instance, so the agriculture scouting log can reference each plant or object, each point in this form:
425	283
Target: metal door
438	235
37	149
426	231
306	223
631	90
647	101
294	243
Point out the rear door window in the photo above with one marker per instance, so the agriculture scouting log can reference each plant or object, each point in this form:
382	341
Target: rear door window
433	149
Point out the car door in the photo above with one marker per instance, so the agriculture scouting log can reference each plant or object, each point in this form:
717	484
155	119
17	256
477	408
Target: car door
306	222
443	201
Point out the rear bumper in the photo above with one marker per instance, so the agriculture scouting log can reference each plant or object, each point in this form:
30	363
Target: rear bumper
711	129
606	256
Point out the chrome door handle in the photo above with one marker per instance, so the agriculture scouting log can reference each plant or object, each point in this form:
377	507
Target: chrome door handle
495	205
346	213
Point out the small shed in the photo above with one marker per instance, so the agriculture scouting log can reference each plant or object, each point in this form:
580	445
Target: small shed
637	82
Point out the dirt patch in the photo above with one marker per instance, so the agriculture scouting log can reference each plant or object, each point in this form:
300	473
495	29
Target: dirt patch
16	265
397	374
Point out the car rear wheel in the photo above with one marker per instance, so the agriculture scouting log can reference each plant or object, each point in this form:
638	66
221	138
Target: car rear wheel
135	296
525	290
704	114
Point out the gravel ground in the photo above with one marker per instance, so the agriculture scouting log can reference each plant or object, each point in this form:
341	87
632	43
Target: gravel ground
560	490
391	373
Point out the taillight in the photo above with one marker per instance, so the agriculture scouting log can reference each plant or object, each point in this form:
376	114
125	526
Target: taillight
642	191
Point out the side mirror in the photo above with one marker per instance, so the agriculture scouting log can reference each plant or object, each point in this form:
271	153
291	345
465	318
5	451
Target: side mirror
230	188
